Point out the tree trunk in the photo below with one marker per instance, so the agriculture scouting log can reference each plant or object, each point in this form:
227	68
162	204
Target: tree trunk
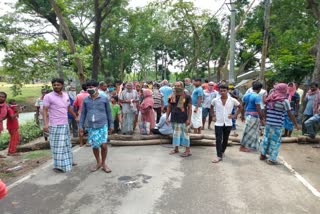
60	54
71	44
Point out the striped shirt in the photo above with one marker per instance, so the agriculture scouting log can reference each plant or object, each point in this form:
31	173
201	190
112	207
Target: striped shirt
157	98
275	116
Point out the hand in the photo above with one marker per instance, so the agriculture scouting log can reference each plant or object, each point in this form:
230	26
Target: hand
110	130
187	122
243	119
46	128
214	119
230	116
167	121
81	132
195	110
263	122
77	119
297	127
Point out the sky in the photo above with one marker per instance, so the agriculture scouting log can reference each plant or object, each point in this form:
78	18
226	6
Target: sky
211	5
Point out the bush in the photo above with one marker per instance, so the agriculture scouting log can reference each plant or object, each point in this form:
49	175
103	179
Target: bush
28	132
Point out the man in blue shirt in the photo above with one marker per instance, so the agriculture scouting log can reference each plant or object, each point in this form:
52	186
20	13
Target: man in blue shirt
251	103
96	109
196	118
166	91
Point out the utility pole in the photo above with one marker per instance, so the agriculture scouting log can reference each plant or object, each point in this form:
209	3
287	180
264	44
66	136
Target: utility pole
265	40
232	40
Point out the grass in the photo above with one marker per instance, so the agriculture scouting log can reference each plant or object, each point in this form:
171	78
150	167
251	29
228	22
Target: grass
36	154
30	92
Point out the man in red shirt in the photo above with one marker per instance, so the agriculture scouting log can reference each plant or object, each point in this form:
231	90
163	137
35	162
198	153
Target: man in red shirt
77	105
13	127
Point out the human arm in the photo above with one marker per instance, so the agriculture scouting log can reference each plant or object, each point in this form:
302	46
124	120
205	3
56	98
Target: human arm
168	113
45	119
70	110
189	113
83	116
261	114
109	116
293	119
199	101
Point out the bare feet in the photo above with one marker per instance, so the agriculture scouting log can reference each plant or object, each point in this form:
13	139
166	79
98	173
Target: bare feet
106	169
96	167
244	149
174	152
216	160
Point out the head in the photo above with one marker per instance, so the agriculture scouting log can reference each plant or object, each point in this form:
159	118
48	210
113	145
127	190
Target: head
197	82
164	110
72	92
147	93
165	82
84	86
187	81
281	88
103	86
156	86
111	88
138	87
206	81
57	84
231	86
178	84
314	86
13	105
129	86
257	86
3	97
114	99
44	91
92	87
223	90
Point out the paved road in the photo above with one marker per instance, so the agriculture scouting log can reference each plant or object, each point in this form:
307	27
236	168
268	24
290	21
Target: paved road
147	180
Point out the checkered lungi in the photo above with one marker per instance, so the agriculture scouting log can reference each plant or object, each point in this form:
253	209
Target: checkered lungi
61	147
250	137
180	135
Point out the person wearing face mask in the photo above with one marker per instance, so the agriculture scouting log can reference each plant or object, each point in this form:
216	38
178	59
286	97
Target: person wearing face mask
72	93
97	111
129	99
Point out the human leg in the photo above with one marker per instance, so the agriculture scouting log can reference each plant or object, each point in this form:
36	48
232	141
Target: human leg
225	137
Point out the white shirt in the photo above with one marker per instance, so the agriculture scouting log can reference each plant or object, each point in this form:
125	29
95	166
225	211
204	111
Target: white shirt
223	111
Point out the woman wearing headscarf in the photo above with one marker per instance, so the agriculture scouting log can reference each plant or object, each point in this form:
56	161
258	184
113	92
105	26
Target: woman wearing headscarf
294	99
147	114
277	105
180	108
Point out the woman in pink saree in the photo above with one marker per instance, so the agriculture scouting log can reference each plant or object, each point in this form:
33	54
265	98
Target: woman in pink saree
147	114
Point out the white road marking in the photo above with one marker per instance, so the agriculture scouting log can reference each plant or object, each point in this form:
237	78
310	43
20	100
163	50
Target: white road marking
32	174
314	191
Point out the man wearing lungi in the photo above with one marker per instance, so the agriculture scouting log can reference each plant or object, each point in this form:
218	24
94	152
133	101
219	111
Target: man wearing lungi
221	109
57	104
197	96
254	116
97	111
180	108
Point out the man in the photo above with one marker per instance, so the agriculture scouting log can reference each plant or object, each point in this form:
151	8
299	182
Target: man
129	99
188	86
77	105
162	127
312	100
205	85
221	109
277	105
96	110
103	89
294	99
196	118
158	101
39	112
180	108
309	126
72	93
235	93
166	91
3	112
208	96
254	116
57	104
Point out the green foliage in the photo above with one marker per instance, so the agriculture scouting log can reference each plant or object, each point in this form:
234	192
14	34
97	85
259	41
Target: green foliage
28	132
36	154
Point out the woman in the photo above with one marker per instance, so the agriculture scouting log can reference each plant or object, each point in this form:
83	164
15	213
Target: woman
147	114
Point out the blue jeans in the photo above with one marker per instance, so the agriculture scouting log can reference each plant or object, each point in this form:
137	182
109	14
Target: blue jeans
309	124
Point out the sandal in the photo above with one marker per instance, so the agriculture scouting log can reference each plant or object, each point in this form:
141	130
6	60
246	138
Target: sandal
56	170
263	157
216	160
174	152
270	162
106	169
185	154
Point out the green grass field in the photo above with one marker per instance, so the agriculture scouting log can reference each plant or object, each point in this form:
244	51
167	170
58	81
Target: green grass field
30	93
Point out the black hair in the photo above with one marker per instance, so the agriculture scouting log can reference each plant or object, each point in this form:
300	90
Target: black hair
84	86
3	93
115	97
223	86
58	80
197	79
12	102
165	109
256	85
92	83
102	83
206	81
314	84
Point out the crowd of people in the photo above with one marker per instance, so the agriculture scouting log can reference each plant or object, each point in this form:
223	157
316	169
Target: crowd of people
168	109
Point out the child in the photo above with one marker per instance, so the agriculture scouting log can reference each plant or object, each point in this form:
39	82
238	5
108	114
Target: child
13	127
116	113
